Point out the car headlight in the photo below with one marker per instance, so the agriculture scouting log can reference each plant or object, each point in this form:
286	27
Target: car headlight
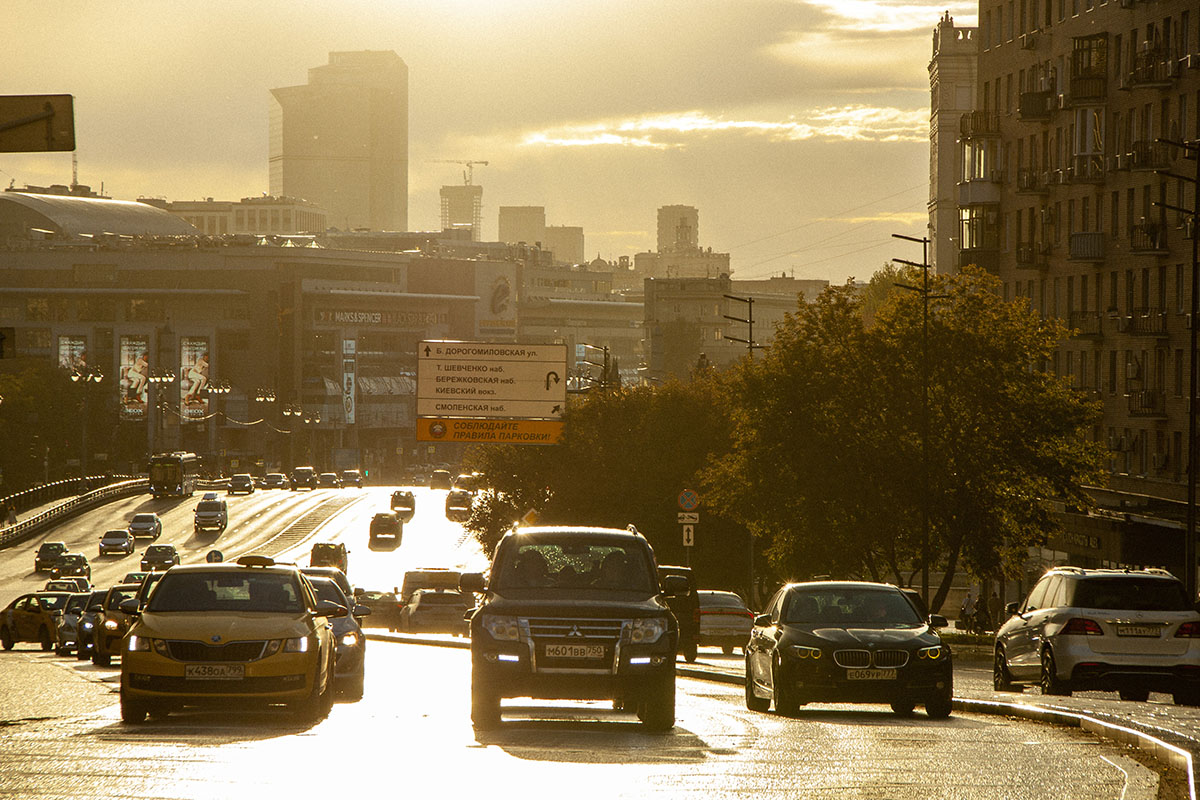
139	644
350	639
502	628
110	625
297	645
933	653
647	630
802	652
87	626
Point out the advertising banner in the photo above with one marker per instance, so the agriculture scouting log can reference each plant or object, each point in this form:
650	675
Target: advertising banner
193	379
348	375
135	377
72	352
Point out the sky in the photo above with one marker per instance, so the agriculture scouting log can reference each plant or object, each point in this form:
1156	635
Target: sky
798	128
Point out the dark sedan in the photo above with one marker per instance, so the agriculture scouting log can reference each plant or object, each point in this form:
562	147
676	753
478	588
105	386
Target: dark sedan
847	642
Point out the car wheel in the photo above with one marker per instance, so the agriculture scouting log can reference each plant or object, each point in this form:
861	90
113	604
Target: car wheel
657	709
6	639
132	711
317	705
903	708
1186	697
45	639
1135	695
1050	682
354	689
1001	677
753	701
81	651
100	659
939	704
485	705
689	652
727	650
786	702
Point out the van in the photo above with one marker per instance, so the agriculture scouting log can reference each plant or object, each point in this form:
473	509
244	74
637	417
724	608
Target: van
304	478
211	514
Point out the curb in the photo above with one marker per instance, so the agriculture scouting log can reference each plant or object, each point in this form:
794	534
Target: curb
1170	754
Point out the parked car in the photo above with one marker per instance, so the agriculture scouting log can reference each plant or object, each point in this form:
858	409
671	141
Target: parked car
441	479
1128	631
67	631
111	624
76	584
352	477
404	503
329	480
159	556
116	541
686	608
385	608
350	665
47	556
458	505
725	622
330	554
847	642
275	480
212	513
242	482
70	564
435	611
145	523
386	524
32	618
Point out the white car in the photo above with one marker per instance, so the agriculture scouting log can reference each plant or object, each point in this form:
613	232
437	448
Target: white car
1128	631
725	621
116	541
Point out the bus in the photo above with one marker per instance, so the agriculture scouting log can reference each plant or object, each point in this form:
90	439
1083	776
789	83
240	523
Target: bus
174	473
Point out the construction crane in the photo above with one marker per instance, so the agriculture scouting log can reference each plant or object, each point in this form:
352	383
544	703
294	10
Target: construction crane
469	174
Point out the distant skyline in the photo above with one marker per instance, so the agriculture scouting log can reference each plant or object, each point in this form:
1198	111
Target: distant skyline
798	128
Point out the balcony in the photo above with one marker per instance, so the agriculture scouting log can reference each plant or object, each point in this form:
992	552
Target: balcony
981	191
1147	404
1030	255
1031	181
1089	90
1035	106
1088	169
979	124
1144	322
1148	238
1152	69
1087	246
1146	156
1085	323
986	258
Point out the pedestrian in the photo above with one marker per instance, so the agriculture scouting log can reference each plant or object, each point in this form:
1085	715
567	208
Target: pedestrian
10	513
994	607
968	611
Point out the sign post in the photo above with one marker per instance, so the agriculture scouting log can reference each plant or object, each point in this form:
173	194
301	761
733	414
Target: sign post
688	518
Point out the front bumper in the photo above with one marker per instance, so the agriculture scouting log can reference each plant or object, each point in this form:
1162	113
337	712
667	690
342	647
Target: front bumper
281	678
825	681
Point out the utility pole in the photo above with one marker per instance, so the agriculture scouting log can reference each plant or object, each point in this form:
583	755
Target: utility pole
1192	151
923	290
751	346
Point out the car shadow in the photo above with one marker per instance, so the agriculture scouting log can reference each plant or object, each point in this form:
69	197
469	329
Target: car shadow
591	736
384	545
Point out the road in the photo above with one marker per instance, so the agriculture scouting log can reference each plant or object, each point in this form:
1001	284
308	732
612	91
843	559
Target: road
60	733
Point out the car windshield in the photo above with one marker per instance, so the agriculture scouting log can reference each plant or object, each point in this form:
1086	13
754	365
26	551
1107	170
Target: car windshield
53	602
209	505
576	563
254	591
328	590
50	548
1131	593
72	560
146	518
849	607
116	596
158	550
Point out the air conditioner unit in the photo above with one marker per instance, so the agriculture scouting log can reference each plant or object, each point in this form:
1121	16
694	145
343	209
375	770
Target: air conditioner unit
1028	41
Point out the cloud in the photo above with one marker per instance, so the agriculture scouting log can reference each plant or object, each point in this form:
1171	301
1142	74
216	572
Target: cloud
857	123
861	16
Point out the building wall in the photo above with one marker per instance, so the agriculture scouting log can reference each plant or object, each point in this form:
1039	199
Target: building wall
678	228
952	77
462	208
251	215
522	224
566	242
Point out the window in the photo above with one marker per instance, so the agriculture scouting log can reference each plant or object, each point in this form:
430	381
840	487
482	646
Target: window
1112	371
1178	372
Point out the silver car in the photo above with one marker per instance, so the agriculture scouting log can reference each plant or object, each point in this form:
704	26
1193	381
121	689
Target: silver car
116	541
1128	631
145	523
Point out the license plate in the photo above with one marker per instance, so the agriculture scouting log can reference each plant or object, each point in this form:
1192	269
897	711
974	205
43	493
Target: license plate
871	674
214	672
575	651
1139	630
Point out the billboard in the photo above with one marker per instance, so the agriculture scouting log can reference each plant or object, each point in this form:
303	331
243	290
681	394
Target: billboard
193	378
134	384
72	352
348	378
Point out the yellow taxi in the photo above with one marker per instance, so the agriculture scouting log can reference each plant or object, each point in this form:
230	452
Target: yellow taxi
243	634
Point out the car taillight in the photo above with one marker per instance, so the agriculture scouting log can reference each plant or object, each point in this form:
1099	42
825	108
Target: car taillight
1080	626
1188	630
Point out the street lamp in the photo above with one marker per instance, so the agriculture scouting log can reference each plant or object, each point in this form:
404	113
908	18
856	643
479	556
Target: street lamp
218	389
159	377
84	376
604	365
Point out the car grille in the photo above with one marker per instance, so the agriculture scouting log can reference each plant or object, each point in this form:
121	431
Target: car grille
859	659
598	630
199	651
246	686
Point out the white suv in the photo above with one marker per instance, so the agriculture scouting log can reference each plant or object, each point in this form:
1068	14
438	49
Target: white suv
1129	631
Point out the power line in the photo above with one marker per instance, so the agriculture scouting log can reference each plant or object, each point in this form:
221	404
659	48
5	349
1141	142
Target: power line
840	213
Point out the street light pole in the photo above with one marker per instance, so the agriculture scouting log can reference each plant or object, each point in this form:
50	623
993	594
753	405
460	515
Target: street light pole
158	379
85	376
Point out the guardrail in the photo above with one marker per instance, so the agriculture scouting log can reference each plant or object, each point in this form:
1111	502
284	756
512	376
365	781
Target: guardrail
56	490
30	527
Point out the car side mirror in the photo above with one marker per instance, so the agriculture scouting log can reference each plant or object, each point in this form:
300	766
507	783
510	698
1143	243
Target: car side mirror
96	607
472	582
328	608
762	620
1011	609
938	621
675	586
362	611
131	607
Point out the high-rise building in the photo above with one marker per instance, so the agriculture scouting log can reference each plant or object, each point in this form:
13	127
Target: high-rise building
678	228
565	242
1066	196
462	207
952	90
522	224
341	140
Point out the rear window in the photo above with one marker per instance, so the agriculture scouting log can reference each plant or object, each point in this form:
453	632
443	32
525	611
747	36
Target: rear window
442	599
118	596
71	560
53	602
721	600
1130	594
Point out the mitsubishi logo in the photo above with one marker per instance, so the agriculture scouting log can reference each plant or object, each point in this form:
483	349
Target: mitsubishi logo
575	632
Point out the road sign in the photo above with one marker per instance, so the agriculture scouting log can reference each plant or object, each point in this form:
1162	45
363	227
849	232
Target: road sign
493	431
484	380
688	517
689	500
689	535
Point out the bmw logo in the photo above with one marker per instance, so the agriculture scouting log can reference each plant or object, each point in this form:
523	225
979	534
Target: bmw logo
215	638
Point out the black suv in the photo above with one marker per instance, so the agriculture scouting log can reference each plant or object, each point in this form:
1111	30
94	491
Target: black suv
48	555
686	608
574	613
